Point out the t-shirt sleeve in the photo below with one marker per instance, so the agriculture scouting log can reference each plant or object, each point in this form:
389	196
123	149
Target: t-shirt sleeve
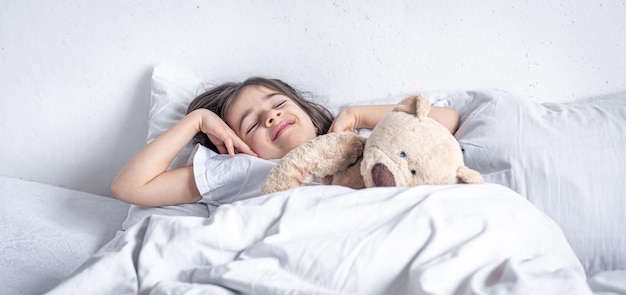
222	179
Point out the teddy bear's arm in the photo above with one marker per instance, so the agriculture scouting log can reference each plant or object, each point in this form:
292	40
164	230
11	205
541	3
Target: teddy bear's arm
467	175
320	157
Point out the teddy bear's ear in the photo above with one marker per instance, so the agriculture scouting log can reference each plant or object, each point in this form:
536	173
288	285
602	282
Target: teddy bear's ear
416	105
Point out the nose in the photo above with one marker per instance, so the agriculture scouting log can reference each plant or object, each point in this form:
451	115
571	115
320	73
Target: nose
272	116
382	176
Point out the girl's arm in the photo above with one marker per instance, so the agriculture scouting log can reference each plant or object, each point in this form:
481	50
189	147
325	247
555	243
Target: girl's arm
367	116
146	181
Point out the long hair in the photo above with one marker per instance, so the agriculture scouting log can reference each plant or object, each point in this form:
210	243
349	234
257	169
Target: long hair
219	99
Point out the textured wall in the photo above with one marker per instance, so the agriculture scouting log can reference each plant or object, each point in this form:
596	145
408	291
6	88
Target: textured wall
74	75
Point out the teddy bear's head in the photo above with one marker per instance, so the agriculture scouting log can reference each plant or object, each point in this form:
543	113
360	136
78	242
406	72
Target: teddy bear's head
408	148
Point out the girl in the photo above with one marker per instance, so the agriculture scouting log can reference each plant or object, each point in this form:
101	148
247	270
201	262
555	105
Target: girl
260	117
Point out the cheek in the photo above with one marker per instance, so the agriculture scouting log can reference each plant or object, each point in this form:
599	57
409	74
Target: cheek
259	145
254	142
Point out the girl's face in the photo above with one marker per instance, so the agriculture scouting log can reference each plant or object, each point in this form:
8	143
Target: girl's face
269	122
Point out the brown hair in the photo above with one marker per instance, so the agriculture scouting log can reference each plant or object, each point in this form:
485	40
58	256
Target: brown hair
219	99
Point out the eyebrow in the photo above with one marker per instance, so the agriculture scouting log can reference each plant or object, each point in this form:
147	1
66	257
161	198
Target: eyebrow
248	111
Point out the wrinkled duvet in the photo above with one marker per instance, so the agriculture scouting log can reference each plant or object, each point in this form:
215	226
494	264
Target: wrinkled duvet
453	239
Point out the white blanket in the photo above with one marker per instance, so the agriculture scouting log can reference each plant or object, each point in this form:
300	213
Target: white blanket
456	239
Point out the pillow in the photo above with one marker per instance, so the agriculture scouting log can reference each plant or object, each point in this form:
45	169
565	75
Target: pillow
172	89
566	158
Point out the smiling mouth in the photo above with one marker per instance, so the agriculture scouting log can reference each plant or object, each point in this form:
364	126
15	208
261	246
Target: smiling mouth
281	128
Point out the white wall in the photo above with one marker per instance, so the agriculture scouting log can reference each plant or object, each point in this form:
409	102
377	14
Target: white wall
74	75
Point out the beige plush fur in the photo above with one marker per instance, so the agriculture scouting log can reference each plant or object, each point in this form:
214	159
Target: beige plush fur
407	148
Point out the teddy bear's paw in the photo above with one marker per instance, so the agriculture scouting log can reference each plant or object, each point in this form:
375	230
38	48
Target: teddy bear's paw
276	182
335	152
285	175
467	175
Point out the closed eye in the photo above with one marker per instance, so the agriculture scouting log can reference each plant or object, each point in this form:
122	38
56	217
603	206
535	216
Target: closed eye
280	104
252	127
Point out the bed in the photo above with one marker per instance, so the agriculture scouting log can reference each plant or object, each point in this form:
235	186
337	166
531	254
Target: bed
549	220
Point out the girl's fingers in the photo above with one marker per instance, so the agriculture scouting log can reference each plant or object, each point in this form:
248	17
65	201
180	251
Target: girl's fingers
222	149
241	147
225	146
338	128
230	147
244	148
341	123
227	142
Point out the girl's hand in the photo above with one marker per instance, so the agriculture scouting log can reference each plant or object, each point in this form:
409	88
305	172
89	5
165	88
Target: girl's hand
346	120
360	116
222	136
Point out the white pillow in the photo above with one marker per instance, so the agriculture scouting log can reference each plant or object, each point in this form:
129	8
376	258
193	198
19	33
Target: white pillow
566	158
172	89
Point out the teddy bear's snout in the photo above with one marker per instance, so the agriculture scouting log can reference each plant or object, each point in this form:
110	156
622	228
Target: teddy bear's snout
382	176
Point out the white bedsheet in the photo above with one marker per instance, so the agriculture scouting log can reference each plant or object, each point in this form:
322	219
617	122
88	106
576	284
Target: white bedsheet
47	232
457	239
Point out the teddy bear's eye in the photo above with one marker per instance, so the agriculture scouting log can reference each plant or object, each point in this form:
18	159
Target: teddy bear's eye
413	172
402	154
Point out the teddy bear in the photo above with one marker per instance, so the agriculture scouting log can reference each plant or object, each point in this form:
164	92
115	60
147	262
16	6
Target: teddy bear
406	148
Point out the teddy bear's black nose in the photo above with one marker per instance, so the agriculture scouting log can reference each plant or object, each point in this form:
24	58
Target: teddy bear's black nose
382	176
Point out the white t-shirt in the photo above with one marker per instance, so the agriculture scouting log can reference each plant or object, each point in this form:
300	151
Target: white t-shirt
222	180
